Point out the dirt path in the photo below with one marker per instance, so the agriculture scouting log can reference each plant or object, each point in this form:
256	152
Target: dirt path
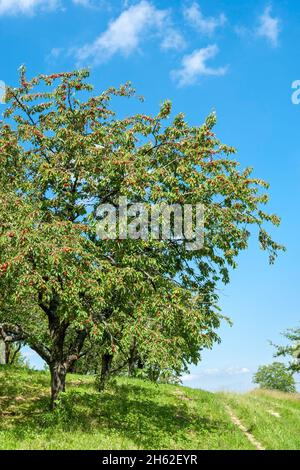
244	430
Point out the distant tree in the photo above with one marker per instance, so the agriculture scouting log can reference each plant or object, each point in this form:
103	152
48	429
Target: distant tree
11	354
275	376
292	350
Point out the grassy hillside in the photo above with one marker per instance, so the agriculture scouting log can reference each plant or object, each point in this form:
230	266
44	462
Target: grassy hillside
133	414
272	417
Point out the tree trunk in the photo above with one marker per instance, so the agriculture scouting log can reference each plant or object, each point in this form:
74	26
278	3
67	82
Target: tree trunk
58	381
7	353
2	352
132	358
105	370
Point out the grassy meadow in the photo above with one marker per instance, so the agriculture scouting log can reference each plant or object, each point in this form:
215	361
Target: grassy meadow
135	414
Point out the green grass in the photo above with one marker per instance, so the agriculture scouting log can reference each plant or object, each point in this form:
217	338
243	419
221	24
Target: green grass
272	417
135	414
132	414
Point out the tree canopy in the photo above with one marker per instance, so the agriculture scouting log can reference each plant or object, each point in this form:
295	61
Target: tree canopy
292	349
275	376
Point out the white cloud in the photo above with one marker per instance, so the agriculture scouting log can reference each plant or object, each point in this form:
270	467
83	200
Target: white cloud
232	370
54	54
29	7
93	3
96	5
237	370
242	31
125	33
216	372
211	371
269	27
190	377
84	3
194	66
173	39
205	25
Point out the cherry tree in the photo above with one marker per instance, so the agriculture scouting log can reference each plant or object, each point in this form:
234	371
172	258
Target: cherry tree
61	157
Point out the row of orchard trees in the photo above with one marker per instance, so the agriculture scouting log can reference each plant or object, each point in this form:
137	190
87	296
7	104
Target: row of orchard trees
63	291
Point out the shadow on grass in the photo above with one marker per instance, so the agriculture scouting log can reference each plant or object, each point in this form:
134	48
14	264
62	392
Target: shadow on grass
146	417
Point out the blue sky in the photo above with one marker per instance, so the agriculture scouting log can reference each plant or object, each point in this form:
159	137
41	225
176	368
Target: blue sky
238	58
